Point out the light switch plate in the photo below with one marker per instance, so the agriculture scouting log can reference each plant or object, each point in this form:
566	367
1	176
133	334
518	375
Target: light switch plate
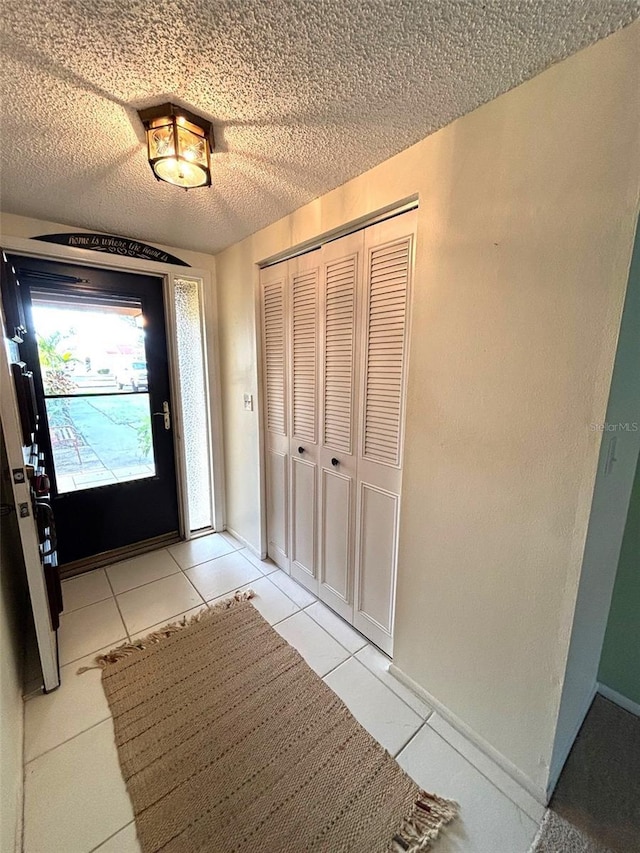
248	402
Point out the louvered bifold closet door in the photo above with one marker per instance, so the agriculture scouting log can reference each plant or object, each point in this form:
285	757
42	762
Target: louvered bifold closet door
274	285
304	384
388	257
341	289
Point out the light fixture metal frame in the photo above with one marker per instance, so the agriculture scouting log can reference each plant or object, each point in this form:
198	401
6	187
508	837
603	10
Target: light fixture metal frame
172	112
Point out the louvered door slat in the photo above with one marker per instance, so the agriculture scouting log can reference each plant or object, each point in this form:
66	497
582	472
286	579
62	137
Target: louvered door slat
305	355
385	346
340	293
274	346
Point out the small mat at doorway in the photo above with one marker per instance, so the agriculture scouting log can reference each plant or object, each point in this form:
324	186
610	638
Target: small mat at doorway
229	742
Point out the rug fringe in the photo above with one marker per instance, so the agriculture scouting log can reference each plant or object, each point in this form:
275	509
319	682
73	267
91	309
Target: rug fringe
127	649
428	815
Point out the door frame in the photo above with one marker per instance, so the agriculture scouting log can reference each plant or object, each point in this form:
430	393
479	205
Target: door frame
209	319
45	634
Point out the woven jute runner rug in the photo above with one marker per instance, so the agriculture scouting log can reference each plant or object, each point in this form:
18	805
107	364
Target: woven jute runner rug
229	743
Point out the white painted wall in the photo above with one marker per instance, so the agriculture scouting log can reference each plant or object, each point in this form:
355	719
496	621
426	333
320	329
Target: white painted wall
614	483
12	618
527	212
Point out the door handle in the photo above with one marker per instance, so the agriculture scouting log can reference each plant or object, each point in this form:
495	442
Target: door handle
335	461
301	450
165	413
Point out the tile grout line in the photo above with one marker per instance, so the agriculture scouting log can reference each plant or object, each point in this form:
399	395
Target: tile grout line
354	655
115	598
411	739
202	562
484	775
148	583
94	652
196	590
273	583
66	611
408	741
113	835
175	561
397	695
333	669
67	740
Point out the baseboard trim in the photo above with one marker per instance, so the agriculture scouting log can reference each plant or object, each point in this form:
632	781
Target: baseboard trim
537	792
557	763
619	699
245	543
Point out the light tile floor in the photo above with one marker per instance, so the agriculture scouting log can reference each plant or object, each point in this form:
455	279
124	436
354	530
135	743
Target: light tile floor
75	798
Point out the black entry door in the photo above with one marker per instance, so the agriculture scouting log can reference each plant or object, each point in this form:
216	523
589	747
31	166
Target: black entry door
97	347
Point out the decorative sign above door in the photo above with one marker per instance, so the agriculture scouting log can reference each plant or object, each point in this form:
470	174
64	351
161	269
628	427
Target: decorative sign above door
113	245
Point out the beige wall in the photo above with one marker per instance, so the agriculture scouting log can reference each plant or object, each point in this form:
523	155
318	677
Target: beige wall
527	211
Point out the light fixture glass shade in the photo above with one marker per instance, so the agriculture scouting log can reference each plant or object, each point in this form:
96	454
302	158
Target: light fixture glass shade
180	172
178	146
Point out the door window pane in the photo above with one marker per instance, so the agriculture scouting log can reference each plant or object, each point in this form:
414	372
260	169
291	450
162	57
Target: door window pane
94	372
89	345
98	440
194	401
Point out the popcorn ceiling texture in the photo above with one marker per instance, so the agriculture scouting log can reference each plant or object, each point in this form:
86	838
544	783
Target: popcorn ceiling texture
304	95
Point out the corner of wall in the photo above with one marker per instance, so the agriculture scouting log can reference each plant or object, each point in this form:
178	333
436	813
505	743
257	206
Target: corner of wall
617	462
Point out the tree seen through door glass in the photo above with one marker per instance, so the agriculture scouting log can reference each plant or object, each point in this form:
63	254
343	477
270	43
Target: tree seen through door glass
94	374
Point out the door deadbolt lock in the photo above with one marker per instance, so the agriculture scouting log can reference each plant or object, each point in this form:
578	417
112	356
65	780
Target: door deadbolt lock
165	413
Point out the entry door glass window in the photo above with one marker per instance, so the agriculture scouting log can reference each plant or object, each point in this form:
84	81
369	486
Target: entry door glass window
94	373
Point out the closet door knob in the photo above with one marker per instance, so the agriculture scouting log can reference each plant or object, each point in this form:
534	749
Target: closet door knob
335	461
301	449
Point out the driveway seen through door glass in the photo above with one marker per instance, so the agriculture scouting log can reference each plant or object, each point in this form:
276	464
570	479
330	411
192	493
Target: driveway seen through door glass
94	373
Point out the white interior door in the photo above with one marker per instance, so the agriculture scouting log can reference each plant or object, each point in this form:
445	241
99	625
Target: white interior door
304	320
387	291
274	283
341	290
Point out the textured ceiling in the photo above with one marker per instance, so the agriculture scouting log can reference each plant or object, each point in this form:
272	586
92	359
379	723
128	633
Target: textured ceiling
304	95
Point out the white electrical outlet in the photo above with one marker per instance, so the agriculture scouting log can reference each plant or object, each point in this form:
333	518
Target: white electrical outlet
248	402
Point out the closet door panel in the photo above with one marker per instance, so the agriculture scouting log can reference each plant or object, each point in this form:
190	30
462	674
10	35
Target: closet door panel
341	290
274	283
379	514
388	258
303	498
304	405
336	535
278	506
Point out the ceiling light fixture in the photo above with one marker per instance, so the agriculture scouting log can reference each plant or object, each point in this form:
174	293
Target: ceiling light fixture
179	145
